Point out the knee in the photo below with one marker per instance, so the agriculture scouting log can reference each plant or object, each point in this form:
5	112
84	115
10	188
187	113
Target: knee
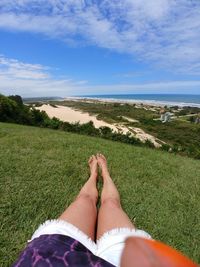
111	203
89	198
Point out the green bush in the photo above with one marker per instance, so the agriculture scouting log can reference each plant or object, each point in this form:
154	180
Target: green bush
166	147
8	109
17	99
105	131
192	119
39	117
89	129
13	110
53	123
149	144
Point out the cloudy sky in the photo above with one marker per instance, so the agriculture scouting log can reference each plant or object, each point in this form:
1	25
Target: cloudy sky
81	47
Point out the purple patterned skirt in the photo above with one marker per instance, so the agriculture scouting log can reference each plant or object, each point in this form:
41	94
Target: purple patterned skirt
58	251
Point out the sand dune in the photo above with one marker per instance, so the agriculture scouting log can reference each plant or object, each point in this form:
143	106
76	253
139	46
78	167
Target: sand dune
70	115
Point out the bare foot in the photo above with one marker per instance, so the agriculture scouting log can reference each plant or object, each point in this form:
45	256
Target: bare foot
93	166
102	162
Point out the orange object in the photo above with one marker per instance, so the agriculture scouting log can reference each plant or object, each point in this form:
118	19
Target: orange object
169	255
141	252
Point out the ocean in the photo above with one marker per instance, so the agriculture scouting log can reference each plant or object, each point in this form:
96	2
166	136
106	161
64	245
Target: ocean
163	99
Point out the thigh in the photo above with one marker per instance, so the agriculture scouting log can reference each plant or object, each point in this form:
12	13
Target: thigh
82	213
111	216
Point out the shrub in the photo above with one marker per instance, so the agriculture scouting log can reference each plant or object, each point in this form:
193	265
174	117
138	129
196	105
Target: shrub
166	147
149	143
53	123
66	126
89	129
39	117
8	109
192	119
105	131
17	99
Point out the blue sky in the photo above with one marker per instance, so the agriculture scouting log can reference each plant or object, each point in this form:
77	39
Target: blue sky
77	47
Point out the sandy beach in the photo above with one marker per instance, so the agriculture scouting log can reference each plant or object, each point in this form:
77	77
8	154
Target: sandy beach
70	115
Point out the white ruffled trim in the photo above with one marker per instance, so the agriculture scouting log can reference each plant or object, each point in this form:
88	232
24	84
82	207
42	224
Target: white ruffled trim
64	228
124	230
106	246
122	234
111	244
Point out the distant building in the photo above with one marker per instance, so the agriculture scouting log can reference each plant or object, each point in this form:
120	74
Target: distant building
165	117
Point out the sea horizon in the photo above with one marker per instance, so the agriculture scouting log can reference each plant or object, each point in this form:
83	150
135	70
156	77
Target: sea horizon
192	100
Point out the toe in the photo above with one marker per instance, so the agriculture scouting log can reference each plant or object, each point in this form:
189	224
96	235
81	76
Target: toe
102	156
93	158
90	159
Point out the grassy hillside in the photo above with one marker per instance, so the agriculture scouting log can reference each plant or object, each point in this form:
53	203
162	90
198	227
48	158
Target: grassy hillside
42	170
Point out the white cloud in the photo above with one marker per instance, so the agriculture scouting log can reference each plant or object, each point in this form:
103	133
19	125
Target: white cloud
163	32
33	80
12	68
36	80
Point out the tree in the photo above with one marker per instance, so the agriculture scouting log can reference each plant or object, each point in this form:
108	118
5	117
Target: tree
8	109
17	99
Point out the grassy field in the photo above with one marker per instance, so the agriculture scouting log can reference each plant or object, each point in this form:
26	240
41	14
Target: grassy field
42	170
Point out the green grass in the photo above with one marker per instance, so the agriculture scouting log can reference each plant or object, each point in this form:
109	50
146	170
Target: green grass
181	133
42	170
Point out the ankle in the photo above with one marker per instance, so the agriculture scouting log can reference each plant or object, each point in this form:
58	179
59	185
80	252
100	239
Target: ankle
93	176
106	174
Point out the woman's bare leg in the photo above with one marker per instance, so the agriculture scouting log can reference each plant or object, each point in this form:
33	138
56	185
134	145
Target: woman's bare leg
83	212
111	214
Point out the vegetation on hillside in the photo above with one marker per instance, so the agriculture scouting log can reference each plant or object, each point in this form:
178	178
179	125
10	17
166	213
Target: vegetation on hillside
13	110
181	134
110	112
43	170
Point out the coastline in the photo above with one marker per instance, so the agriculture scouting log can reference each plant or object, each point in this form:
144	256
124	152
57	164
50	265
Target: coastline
155	103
